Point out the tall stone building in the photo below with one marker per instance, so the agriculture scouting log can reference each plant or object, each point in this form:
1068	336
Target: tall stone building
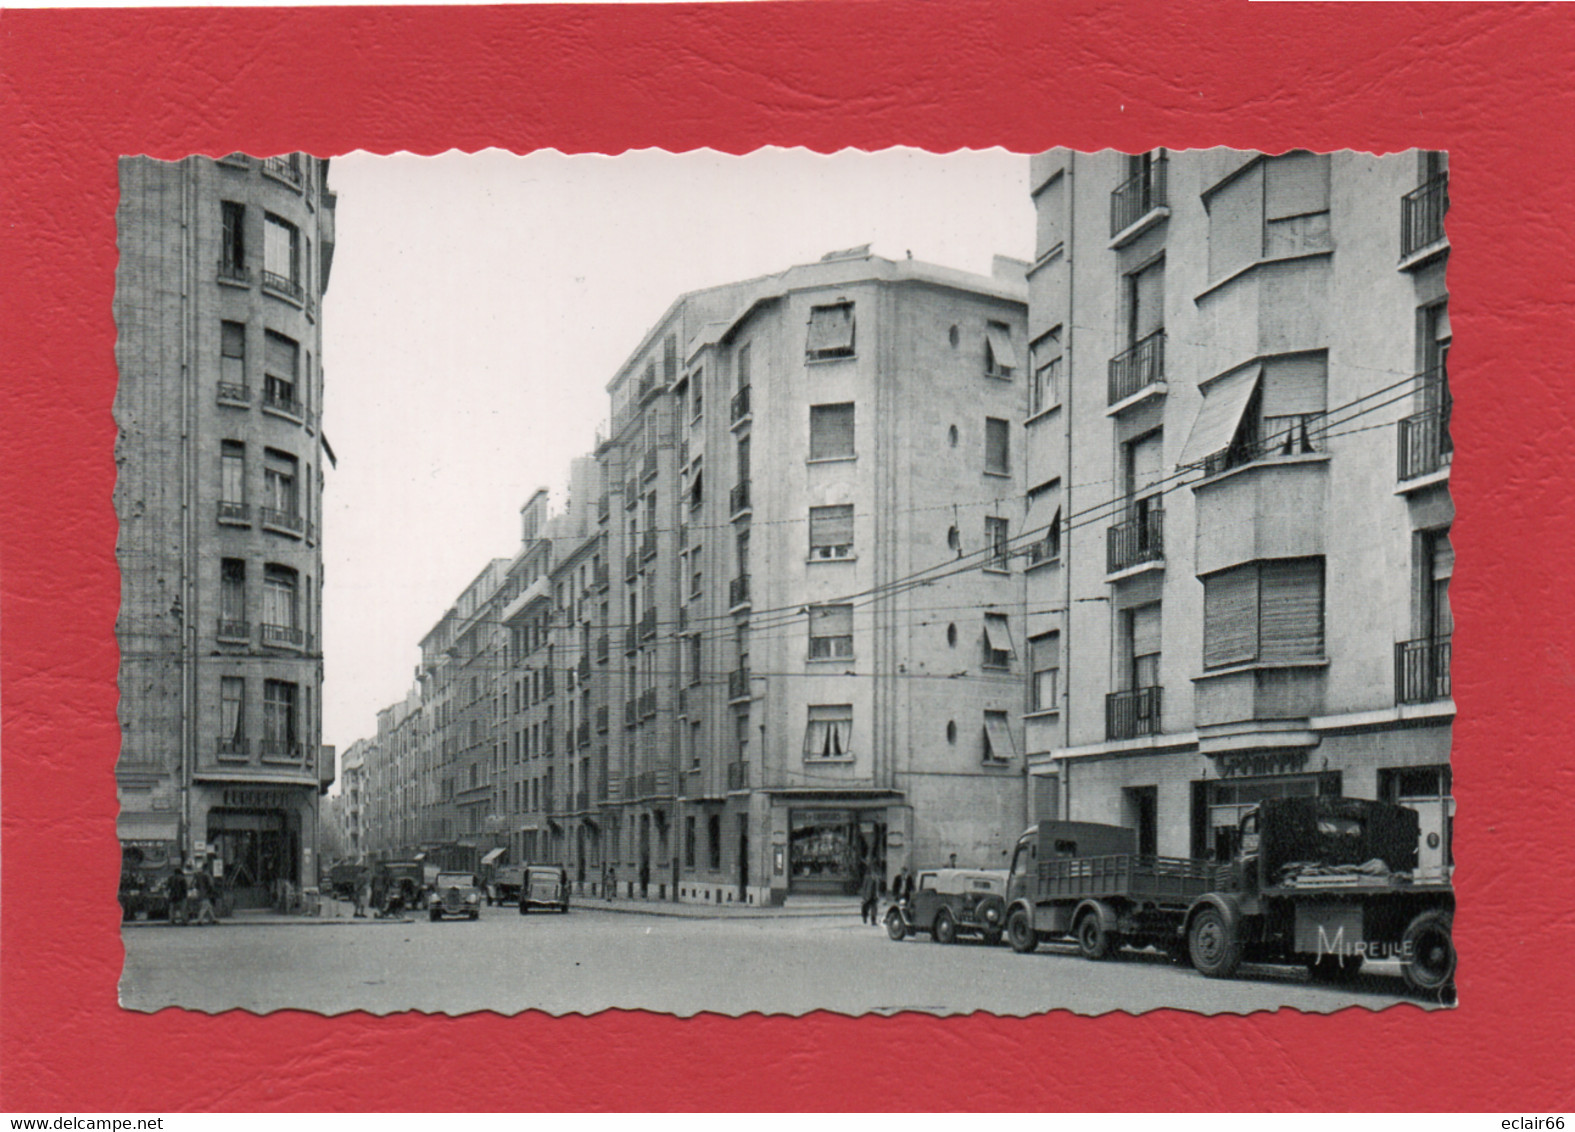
1238	464
220	452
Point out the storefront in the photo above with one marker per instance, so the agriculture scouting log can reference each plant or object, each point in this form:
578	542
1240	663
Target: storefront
1223	802
261	838
829	850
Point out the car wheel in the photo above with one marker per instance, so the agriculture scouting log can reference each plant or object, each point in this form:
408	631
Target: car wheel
1020	931
945	929
1093	942
1212	945
895	928
1429	941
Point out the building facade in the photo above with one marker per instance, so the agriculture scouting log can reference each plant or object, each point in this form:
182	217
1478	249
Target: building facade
223	264
1238	460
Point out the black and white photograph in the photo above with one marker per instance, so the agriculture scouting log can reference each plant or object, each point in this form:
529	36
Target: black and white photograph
867	582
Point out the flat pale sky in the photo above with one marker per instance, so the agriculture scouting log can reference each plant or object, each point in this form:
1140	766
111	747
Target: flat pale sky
479	304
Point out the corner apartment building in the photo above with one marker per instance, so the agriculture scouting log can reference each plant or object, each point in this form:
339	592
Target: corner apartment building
1238	462
354	795
223	264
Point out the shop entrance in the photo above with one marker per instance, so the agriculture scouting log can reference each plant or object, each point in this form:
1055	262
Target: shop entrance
258	848
1220	805
829	851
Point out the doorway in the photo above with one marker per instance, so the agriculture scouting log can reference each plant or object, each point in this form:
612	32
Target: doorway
1140	811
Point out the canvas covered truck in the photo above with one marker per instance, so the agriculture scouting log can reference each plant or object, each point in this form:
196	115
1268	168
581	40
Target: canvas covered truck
1325	882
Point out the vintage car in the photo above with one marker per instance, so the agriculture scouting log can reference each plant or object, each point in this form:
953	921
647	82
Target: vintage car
949	903
343	880
455	894
506	884
544	886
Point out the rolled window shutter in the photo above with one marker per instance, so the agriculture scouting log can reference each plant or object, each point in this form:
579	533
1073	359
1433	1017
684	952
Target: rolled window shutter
831	526
1292	386
831	431
1149	297
1230	616
1145	629
1292	609
281	354
1298	183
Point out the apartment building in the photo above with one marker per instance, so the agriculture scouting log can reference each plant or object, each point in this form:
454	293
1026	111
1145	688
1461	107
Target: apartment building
1238	457
223	264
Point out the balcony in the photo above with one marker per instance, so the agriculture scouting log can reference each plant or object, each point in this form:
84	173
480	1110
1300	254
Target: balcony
284	404
740	405
282	749
647	703
286	168
654	784
738	775
233	632
648	464
1138	195
1423	443
1138	367
631	712
631	566
1301	434
647	546
1138	540
234	748
648	624
236	396
1046	549
738	685
603	649
738	591
1422	670
601	719
1422	215
234	273
283	636
1131	714
283	285
273	519
738	498
234	514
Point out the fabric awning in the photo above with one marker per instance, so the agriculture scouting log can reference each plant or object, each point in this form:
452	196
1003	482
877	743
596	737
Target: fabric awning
998	631
147	827
492	855
1216	423
1000	735
1000	339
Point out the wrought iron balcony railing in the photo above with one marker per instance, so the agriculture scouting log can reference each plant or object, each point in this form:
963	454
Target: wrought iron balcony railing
1138	367
229	393
232	272
1424	444
286	168
1134	713
234	748
1141	539
1138	195
1422	214
283	636
741	404
1295	435
280	749
284	403
234	631
235	514
1422	670
276	520
284	285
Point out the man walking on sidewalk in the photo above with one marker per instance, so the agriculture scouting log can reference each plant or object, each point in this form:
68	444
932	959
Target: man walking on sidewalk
871	891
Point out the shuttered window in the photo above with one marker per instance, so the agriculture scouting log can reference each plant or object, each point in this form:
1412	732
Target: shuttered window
1145	457
997	446
1268	611
830	632
997	641
831	431
1000	358
831	531
280	355
1146	297
998	745
1236	223
1046	651
232	353
1143	628
830	332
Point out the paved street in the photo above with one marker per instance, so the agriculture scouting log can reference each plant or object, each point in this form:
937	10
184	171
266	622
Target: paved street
593	959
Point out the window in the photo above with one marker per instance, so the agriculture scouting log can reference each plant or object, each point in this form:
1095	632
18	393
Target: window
694	659
1000	358
232	239
232	714
279	482
232	592
998	745
281	254
830	632
697	391
280	734
997	538
743	366
232	354
830	332
689	842
1271	408
830	732
997	446
669	359
1046	658
281	356
714	841
1043	522
280	608
1276	206
997	641
1140	641
831	531
232	472
1145	301
1044	391
1436	565
1264	611
831	432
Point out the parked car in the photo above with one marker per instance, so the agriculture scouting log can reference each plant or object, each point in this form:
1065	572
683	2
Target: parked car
409	879
456	894
948	903
544	886
344	878
506	884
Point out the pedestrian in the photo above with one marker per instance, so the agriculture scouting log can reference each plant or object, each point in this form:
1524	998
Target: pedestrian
645	876
609	880
907	886
379	892
363	892
204	886
176	888
951	862
867	910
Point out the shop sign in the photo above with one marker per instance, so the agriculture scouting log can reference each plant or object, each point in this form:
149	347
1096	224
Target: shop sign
1259	763
820	817
257	799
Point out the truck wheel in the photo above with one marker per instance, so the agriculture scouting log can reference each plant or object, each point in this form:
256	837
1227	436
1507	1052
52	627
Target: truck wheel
1092	939
895	928
1213	946
945	930
1429	941
1020	931
1334	968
